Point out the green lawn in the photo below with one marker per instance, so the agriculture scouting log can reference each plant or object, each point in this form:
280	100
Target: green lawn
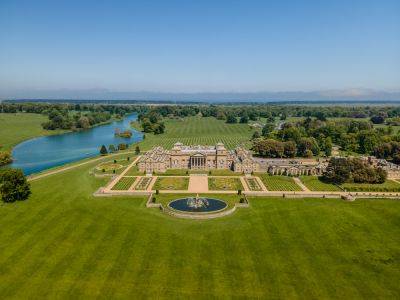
279	183
171	183
224	184
109	166
199	131
124	183
64	243
387	186
15	128
314	184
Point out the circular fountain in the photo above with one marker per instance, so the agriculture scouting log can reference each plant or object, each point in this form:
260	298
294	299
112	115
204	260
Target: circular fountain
197	205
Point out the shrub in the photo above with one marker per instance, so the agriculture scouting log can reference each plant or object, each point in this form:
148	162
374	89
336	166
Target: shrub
103	150
13	185
5	158
239	192
157	192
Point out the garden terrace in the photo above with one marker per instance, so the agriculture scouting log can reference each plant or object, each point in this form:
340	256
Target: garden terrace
313	183
143	183
224	184
253	184
171	183
124	183
279	183
112	167
387	186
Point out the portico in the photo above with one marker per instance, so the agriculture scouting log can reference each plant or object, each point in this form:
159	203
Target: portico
198	161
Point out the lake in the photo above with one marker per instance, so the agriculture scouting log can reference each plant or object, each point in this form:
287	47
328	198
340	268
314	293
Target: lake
42	153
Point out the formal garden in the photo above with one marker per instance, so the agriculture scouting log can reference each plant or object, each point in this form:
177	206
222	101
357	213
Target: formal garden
124	183
313	183
224	184
171	183
253	184
279	183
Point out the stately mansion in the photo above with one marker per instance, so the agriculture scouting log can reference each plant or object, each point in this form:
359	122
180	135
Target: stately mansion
198	158
240	160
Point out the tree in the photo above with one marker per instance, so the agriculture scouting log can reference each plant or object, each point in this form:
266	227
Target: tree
231	119
83	122
5	158
367	141
137	150
122	146
378	119
111	148
268	129
340	170
289	149
328	146
256	135
244	119
13	185
103	150
337	170
320	116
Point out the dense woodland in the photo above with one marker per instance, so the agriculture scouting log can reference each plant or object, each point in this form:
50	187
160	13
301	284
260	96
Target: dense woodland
314	134
341	170
281	135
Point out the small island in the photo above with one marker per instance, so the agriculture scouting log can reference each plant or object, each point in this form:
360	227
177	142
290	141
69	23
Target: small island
124	134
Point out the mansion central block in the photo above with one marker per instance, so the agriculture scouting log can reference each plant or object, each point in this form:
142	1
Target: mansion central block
197	157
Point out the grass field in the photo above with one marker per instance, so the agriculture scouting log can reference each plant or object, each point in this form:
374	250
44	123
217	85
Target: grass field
224	184
199	131
171	183
387	186
279	183
64	243
15	128
314	184
124	183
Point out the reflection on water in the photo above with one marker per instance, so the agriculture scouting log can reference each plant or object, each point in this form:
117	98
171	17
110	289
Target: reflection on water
42	153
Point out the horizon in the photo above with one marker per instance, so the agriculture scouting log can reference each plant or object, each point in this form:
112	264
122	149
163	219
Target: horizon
253	51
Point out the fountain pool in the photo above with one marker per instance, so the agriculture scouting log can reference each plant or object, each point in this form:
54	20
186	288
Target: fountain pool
198	204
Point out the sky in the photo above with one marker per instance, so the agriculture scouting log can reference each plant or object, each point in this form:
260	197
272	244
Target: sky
86	48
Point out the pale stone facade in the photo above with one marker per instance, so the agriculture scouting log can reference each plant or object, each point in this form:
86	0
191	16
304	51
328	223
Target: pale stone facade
392	169
198	158
292	167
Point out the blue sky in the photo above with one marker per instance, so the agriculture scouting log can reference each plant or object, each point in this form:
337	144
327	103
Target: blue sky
199	46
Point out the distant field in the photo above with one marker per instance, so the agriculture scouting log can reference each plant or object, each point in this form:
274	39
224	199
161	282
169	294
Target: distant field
279	183
15	128
199	131
314	184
